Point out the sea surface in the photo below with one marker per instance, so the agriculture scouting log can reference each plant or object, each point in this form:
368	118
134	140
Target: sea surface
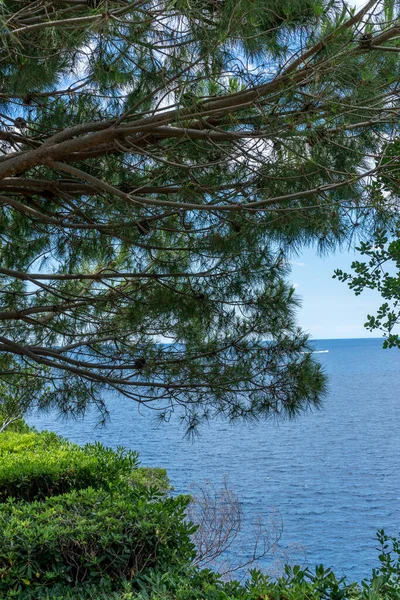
331	476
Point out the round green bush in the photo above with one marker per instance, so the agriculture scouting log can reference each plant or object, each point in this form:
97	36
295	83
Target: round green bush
89	535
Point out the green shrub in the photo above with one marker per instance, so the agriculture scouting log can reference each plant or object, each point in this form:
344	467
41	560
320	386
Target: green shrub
102	591
295	584
88	535
150	477
16	443
191	583
35	465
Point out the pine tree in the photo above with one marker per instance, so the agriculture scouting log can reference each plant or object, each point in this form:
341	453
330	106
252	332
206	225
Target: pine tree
160	162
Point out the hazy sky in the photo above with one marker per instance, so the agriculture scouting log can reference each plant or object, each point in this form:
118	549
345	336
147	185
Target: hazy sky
357	3
329	308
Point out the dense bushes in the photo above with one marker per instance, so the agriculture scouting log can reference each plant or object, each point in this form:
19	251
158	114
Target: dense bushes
82	516
193	584
34	466
89	535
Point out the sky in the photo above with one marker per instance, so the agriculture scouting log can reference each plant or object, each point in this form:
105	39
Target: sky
357	3
329	308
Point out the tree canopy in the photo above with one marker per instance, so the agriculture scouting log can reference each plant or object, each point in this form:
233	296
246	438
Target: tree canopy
160	161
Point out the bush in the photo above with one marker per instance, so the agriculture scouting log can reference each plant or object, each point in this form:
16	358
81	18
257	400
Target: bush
191	583
88	535
150	477
102	591
15	443
37	465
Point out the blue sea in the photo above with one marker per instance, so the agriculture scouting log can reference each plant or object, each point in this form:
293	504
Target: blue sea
332	476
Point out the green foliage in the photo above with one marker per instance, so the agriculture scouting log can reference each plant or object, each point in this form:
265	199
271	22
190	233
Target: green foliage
20	443
381	269
36	465
386	578
381	272
150	477
15	402
17	425
86	535
75	521
104	591
159	167
296	583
